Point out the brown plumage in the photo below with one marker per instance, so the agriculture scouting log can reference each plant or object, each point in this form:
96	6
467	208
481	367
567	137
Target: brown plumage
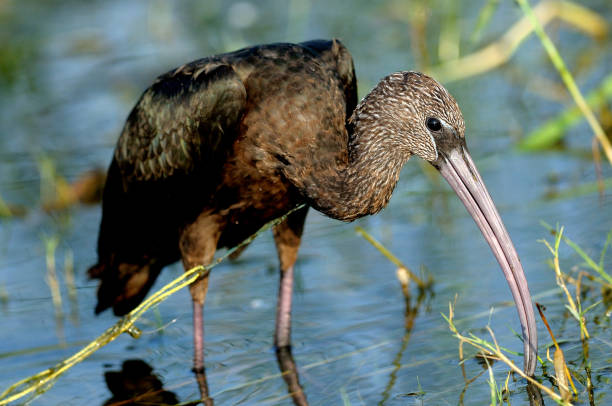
195	143
218	147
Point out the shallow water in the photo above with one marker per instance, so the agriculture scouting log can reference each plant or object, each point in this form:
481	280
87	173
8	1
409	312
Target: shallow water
73	70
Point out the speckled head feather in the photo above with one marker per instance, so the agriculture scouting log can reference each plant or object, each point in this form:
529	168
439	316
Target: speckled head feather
397	110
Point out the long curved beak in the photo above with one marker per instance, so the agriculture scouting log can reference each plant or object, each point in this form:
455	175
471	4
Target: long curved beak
457	167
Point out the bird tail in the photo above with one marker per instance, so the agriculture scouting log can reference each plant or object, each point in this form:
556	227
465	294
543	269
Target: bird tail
123	286
137	239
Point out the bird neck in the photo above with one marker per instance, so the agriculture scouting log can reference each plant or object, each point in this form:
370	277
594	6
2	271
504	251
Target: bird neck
364	182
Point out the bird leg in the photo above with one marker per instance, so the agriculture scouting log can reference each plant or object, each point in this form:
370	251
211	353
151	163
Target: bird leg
197	243
282	334
287	236
198	347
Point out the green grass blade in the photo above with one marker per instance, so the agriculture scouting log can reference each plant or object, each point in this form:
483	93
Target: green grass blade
573	312
591	306
579	190
589	261
553	130
568	79
5	211
484	18
605	248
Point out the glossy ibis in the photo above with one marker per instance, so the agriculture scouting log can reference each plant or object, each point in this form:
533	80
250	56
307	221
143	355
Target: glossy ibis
218	147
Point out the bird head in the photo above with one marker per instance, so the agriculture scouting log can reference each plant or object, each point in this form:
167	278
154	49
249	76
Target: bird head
413	115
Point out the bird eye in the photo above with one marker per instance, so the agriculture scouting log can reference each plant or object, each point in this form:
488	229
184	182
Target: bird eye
433	124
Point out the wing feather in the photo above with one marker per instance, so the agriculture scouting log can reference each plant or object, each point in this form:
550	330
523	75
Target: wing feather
182	122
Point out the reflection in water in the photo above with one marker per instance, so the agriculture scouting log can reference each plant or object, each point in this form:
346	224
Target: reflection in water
409	316
136	384
466	380
86	189
200	375
288	371
535	396
290	375
484	360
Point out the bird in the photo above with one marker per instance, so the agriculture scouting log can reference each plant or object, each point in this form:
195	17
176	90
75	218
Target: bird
218	147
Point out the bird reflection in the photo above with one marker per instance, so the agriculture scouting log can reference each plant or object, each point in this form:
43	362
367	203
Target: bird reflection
410	314
535	396
290	375
200	375
135	384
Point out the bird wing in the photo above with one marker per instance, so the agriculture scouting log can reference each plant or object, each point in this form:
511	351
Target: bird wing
186	120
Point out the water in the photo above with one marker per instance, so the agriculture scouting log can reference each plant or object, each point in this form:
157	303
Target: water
71	72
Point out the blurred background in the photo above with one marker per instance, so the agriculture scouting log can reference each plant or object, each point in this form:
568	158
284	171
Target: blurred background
71	71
